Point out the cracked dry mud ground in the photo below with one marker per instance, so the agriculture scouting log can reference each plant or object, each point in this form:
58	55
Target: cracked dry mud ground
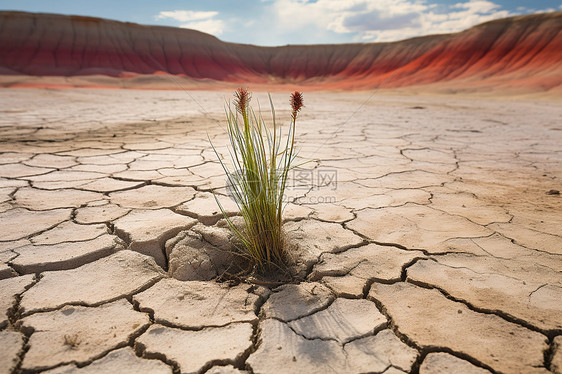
439	250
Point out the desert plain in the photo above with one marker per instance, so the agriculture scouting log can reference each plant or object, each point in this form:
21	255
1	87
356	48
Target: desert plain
429	230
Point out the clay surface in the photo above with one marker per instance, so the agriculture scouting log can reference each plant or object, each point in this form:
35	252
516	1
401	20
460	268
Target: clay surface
433	244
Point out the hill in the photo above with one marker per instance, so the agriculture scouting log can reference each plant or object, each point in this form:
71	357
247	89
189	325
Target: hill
521	53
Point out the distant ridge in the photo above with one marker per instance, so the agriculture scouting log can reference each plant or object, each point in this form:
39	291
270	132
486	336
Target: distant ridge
522	53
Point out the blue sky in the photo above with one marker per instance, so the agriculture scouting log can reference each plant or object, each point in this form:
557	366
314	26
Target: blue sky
280	22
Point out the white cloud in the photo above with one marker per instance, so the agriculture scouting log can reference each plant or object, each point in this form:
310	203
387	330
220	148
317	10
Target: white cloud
382	20
477	6
186	15
526	10
210	26
197	20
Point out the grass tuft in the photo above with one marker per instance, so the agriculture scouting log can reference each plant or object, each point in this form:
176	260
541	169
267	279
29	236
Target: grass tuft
261	160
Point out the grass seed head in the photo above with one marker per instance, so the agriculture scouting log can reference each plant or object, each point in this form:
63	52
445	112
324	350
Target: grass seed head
296	103
242	100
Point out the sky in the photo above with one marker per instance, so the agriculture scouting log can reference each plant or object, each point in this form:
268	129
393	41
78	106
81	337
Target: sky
281	22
